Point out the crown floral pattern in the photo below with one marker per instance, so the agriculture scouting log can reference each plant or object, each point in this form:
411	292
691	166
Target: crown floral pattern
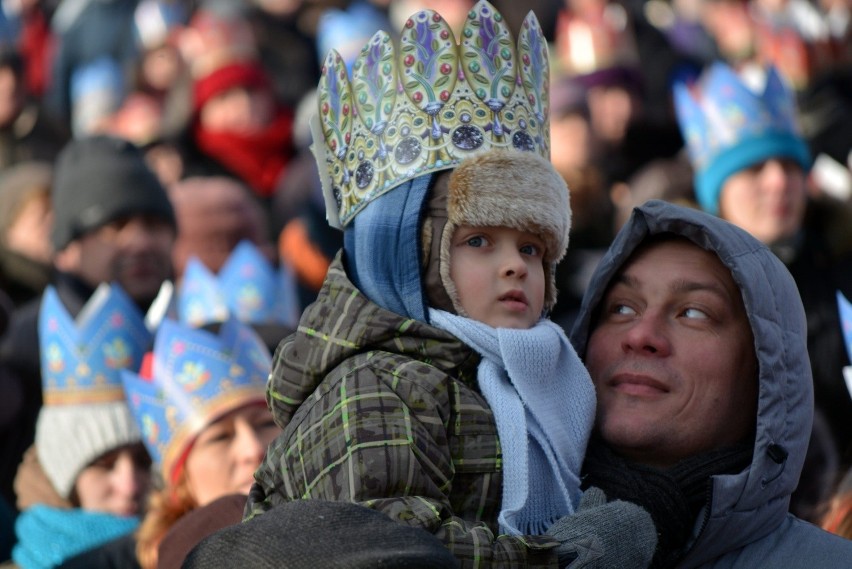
196	376
81	358
721	110
427	104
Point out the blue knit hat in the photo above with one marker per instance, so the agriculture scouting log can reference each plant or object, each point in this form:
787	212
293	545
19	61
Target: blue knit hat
728	127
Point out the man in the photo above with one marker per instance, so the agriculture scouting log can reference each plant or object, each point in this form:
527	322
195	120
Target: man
695	337
112	222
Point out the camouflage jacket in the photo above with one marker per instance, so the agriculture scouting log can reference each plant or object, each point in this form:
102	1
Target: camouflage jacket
384	411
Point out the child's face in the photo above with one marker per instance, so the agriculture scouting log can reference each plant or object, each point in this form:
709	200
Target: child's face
499	275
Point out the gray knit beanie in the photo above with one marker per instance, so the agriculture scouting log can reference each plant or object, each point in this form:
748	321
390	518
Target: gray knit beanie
69	437
98	180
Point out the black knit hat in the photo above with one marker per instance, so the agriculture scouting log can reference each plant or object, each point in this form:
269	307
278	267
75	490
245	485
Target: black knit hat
98	180
306	534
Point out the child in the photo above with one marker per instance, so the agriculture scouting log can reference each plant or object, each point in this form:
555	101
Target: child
424	381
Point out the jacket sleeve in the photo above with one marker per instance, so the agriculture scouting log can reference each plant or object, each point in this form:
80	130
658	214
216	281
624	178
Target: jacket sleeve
379	435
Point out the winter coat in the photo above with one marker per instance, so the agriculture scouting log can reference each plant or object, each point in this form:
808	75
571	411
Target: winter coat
383	410
745	522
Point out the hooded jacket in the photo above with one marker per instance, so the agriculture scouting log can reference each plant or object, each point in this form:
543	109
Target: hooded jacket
745	521
384	410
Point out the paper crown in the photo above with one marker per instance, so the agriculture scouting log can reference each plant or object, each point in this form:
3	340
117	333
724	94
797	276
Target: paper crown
247	287
728	127
844	307
428	105
192	378
81	359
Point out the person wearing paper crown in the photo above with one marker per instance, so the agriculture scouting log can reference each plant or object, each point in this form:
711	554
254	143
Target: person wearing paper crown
86	481
199	402
426	381
750	167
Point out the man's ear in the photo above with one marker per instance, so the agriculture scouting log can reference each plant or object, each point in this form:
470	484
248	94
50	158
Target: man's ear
68	259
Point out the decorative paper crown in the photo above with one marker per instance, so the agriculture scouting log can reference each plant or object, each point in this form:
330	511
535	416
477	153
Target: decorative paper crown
844	307
428	106
247	287
195	377
81	360
728	127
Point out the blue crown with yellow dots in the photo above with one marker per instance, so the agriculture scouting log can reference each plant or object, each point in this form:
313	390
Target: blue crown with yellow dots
428	104
728	127
81	359
192	377
247	287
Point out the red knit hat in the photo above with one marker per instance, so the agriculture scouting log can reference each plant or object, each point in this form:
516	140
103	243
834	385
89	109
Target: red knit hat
247	74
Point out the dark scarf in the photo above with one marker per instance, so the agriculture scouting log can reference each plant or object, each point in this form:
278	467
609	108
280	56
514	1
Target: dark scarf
258	158
674	497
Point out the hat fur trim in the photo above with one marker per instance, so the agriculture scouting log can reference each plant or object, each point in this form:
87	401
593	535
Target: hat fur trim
513	189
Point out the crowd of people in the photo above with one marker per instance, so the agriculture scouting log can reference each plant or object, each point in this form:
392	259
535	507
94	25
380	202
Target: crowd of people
438	283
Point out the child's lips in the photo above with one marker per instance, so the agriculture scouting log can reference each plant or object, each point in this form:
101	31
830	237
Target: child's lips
514	300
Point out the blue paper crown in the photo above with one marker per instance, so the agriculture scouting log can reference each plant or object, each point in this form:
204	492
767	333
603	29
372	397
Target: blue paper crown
844	307
81	359
196	377
247	287
728	127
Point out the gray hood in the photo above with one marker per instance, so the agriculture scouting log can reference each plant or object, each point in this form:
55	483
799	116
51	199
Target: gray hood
749	505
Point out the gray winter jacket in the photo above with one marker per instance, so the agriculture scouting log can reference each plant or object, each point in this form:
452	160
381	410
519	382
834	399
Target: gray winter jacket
745	523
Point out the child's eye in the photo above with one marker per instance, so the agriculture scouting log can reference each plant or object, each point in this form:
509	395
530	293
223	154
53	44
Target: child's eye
532	250
476	241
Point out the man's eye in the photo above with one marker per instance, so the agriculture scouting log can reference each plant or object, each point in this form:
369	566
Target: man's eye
695	313
622	309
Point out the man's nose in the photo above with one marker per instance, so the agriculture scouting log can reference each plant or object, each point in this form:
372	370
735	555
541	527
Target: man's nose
648	335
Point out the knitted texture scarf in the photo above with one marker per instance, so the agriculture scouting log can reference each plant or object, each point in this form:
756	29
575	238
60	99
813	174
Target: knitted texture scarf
674	497
48	536
544	404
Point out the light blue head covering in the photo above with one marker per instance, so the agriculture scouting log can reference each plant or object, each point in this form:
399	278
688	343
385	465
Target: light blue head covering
382	246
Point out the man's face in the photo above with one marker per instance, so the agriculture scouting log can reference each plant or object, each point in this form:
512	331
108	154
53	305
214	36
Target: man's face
672	356
135	251
767	200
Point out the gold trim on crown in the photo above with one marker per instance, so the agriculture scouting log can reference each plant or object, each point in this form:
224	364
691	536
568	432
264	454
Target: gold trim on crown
428	104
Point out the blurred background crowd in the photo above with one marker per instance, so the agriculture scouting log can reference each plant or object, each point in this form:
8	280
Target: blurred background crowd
216	95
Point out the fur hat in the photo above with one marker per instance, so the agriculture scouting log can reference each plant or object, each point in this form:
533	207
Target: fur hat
507	188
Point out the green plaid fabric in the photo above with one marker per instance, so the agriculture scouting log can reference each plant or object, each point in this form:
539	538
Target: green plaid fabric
384	411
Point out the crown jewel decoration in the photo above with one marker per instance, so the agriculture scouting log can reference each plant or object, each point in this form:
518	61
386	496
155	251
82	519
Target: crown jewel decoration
428	105
196	376
82	358
247	287
721	111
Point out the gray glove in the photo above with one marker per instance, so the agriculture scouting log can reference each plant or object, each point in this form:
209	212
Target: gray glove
601	535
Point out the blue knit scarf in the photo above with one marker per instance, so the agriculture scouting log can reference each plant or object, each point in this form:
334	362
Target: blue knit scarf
49	536
544	405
